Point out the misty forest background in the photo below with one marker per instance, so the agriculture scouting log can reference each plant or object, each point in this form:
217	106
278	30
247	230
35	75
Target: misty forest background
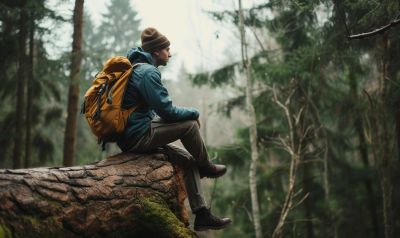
306	118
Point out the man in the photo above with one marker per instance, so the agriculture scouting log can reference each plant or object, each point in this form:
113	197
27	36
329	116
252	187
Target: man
143	133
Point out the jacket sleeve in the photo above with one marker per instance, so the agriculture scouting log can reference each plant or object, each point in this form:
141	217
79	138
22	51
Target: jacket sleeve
156	96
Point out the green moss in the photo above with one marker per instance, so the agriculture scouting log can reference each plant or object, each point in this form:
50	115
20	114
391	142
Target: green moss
31	220
158	221
4	232
37	227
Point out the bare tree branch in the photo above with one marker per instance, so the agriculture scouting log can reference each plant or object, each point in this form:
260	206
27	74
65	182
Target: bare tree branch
293	146
376	31
302	200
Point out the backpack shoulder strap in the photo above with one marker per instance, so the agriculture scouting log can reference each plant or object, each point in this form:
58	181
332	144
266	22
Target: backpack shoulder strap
137	64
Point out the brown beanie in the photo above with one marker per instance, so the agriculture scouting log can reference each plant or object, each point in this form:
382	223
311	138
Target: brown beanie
152	40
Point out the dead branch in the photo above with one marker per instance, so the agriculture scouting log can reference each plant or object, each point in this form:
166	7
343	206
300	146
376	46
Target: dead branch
294	163
380	30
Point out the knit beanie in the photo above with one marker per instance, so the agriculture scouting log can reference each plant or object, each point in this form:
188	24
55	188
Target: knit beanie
152	40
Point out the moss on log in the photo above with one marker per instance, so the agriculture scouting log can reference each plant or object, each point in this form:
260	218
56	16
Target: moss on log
127	195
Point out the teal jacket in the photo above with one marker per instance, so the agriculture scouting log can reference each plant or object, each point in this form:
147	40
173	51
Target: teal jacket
145	86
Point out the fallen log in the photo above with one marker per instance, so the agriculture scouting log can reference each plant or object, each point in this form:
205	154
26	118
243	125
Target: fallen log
127	195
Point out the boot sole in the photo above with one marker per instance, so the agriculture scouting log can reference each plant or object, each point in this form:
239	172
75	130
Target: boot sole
214	176
204	228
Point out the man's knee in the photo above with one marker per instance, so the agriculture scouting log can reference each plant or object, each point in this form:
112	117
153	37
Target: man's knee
179	156
191	124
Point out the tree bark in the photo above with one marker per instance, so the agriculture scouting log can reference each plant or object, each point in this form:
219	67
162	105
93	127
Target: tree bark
252	127
127	195
73	94
19	115
385	163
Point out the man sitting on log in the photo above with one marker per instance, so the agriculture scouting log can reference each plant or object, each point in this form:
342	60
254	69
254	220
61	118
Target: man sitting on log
143	133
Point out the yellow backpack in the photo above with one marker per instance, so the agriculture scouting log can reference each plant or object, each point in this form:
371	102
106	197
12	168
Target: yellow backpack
103	100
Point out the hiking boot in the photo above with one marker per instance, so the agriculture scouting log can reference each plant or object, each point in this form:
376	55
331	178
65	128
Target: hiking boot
212	171
205	220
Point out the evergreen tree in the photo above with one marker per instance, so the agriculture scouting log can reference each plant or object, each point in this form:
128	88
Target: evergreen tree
21	80
321	73
119	29
35	146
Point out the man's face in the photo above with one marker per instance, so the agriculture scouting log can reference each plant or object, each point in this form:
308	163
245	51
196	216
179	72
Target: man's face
161	57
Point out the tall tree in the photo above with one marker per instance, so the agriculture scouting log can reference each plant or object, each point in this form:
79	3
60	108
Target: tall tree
383	138
346	57
73	93
29	101
381	106
19	114
115	35
252	126
8	68
38	147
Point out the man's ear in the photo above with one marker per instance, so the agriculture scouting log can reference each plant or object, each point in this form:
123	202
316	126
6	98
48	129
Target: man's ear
156	53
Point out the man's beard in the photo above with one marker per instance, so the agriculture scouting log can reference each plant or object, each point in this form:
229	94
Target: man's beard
163	62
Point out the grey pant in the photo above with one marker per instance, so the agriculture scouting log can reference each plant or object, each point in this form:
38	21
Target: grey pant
195	155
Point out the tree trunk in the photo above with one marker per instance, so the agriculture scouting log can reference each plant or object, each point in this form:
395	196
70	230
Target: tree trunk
19	115
29	101
385	163
307	180
73	94
127	195
252	128
398	132
363	150
295	147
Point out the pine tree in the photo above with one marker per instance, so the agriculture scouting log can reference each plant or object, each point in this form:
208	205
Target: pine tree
21	80
314	61
119	29
40	86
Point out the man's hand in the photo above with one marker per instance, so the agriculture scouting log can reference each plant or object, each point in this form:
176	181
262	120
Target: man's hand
198	123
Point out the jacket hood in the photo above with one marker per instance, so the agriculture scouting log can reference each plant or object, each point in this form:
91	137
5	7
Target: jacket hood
138	55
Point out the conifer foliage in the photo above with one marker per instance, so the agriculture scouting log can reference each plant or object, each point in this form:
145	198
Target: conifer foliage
324	106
